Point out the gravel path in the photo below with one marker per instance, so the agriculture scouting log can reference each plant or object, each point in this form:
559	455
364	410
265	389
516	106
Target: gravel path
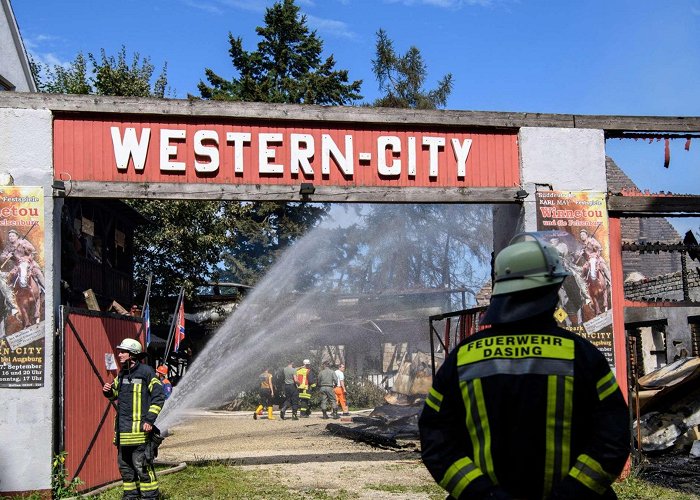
301	453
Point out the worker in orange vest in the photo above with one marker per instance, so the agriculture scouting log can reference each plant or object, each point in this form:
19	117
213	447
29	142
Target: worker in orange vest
162	373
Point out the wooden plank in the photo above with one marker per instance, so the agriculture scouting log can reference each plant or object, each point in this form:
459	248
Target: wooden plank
71	104
91	300
322	194
639	123
667	205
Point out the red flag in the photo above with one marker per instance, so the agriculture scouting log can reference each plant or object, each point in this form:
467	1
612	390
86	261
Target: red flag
180	327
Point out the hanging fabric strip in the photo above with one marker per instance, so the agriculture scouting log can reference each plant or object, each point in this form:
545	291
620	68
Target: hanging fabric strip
667	152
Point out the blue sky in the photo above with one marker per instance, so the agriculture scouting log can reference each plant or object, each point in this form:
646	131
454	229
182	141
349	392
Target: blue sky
607	57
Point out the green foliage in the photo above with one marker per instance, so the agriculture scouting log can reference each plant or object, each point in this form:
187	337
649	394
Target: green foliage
111	76
634	488
72	79
363	394
401	78
404	247
286	68
60	486
249	399
114	76
258	234
182	244
433	491
192	243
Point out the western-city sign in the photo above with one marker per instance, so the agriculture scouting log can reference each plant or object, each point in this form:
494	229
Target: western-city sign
235	154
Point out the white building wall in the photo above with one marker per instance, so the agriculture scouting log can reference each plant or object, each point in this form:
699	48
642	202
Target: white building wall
561	159
26	415
14	66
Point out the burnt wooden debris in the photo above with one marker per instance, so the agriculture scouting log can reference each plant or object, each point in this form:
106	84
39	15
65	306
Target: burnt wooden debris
388	426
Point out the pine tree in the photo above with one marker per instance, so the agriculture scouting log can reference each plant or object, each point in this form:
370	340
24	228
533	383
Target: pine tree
401	78
286	68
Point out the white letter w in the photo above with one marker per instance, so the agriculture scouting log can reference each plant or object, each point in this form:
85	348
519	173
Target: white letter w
130	147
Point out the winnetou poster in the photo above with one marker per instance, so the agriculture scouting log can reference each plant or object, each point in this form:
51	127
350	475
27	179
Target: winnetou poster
579	221
22	339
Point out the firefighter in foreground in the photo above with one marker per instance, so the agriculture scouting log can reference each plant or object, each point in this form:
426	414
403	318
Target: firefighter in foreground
525	409
140	397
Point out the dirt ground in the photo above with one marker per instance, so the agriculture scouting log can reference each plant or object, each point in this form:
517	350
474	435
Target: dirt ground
302	454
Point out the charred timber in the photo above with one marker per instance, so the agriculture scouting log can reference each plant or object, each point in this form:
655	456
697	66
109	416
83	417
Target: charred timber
363	435
666	205
647	247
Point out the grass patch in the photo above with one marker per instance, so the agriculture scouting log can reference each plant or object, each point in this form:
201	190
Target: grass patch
432	490
215	482
634	488
220	481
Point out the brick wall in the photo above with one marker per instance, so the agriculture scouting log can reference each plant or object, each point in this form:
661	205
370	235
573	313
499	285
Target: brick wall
643	229
668	287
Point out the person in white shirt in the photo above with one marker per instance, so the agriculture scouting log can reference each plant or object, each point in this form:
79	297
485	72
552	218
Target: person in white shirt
340	390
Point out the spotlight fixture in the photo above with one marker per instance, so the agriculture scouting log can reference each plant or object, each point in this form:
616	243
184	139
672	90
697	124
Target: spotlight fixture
59	188
306	189
521	194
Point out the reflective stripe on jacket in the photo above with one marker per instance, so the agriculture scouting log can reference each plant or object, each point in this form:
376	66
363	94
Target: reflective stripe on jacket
140	398
532	410
305	378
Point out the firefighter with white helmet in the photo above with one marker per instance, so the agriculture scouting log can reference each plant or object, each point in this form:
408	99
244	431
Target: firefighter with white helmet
525	409
306	380
132	346
140	397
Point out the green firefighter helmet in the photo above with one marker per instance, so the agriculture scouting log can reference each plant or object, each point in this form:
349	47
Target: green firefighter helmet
528	262
130	345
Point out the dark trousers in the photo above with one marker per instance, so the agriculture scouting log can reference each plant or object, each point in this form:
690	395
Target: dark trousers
305	402
265	397
139	477
291	398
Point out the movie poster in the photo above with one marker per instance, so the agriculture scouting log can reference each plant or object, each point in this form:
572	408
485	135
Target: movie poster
22	339
579	221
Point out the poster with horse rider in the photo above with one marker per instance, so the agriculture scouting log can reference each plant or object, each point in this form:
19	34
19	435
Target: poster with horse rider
22	297
579	221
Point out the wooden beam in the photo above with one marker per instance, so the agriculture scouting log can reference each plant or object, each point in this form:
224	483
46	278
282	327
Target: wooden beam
62	104
661	206
257	192
639	123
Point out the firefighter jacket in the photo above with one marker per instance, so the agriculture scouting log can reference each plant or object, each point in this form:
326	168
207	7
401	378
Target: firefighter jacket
305	378
525	411
140	397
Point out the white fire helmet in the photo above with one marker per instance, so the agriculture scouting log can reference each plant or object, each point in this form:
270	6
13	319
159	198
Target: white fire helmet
130	345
